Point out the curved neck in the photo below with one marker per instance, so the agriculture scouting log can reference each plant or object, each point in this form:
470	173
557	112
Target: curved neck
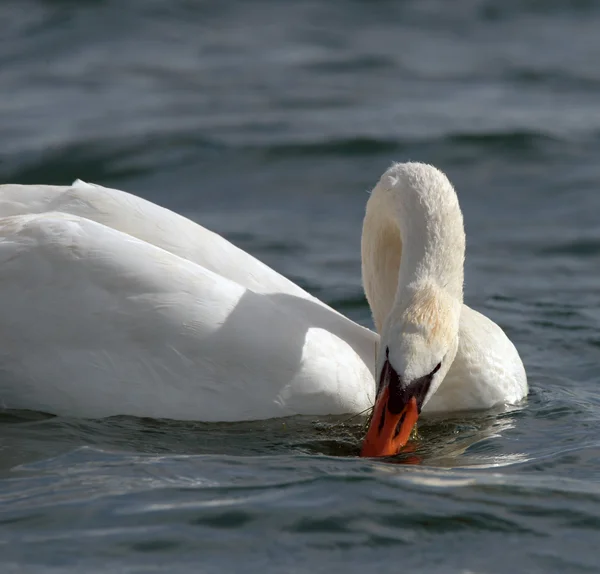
413	236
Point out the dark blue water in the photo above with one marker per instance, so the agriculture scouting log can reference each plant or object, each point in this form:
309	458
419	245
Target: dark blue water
267	122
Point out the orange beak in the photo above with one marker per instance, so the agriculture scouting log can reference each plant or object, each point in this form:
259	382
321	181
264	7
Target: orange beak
389	432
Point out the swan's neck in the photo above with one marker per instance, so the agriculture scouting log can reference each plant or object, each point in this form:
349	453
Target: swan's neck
413	238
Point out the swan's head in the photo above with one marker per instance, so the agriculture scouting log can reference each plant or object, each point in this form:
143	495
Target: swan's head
418	344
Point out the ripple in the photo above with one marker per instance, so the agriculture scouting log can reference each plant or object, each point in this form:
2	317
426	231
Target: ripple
581	247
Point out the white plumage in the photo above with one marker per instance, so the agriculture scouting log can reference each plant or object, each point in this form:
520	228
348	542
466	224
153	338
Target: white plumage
111	305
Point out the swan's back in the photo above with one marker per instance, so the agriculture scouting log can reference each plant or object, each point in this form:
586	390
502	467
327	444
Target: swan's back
151	223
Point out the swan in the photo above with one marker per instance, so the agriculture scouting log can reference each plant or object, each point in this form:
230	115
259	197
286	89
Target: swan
112	305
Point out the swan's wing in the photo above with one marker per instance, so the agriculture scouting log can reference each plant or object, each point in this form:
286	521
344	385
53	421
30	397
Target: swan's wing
151	223
96	322
487	370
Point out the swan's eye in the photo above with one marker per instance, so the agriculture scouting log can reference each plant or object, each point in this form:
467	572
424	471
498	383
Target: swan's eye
387	352
437	368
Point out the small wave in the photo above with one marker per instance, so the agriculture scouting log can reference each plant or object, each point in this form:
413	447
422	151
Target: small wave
560	80
505	142
109	160
518	140
357	146
104	159
581	248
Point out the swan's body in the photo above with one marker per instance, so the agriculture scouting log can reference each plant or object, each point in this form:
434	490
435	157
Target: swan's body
112	305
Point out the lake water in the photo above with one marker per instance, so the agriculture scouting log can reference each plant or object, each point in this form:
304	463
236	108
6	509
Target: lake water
267	122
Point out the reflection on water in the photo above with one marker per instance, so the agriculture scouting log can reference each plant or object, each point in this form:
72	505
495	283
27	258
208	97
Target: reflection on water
466	440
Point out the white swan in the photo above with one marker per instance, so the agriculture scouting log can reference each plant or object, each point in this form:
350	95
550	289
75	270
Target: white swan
112	305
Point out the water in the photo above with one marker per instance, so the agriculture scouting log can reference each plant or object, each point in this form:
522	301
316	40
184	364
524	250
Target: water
267	122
